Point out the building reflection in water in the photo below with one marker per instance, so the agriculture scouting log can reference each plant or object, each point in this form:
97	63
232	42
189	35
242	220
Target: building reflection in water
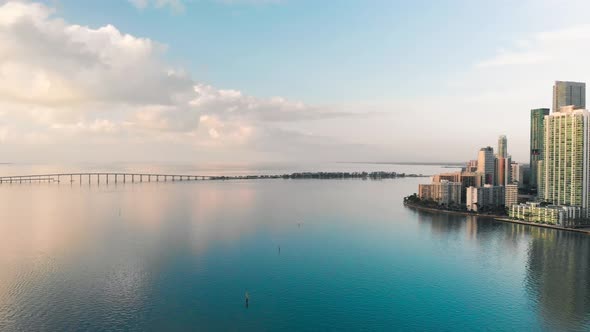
557	271
558	276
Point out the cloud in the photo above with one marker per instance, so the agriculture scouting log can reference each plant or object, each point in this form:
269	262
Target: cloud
63	84
542	48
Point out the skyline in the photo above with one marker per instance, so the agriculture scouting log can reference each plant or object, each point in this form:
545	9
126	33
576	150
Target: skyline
277	80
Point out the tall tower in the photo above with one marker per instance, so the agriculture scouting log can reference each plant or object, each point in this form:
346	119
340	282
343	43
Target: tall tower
486	164
537	142
566	156
502	146
569	93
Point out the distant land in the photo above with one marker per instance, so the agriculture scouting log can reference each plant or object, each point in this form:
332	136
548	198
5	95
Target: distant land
452	164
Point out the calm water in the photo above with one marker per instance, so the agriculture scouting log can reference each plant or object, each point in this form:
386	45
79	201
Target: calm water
180	256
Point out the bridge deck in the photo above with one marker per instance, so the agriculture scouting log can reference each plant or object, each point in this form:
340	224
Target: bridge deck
106	177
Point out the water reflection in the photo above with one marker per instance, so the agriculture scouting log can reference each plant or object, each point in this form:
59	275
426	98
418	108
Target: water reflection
557	276
181	255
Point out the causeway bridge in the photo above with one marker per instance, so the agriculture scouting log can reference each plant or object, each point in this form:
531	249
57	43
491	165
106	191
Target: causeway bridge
100	177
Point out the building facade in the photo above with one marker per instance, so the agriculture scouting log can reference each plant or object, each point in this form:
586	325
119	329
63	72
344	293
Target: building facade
569	93
537	142
444	192
503	171
502	146
565	164
516	174
484	198
551	214
510	195
486	164
540	181
471	166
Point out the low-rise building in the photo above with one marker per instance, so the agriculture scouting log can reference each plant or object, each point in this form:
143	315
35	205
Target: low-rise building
549	214
484	198
443	192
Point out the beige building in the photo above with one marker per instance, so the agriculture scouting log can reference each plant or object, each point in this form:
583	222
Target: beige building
443	192
484	198
510	195
467	179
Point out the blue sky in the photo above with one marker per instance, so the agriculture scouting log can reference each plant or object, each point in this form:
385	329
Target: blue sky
280	80
319	51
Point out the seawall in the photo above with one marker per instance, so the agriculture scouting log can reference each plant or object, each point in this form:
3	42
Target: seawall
498	218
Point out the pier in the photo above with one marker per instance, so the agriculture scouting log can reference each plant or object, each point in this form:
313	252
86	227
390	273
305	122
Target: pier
100	177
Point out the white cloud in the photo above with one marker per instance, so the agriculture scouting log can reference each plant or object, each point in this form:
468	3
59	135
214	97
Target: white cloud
70	84
545	47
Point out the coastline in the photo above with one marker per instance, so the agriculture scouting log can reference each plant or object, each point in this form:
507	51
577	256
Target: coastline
498	218
460	213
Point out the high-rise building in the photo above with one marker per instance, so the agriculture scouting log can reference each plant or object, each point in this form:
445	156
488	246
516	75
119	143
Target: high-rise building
511	195
471	166
569	93
516	174
502	146
467	179
486	164
443	192
484	198
566	158
541	181
503	171
537	141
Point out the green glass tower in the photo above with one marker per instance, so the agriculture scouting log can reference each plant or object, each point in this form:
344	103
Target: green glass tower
537	142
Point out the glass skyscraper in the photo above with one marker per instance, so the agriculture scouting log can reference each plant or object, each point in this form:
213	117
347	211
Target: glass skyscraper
502	146
569	93
537	142
486	164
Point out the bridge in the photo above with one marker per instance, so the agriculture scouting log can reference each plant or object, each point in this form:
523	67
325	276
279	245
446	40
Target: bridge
98	177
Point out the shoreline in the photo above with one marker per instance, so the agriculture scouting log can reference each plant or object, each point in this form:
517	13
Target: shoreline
461	213
499	218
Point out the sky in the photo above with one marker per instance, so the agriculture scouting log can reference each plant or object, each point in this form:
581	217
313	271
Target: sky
245	81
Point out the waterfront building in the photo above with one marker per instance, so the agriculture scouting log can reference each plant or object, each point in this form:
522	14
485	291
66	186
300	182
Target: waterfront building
484	198
502	146
443	192
467	179
486	164
537	142
549	214
510	195
566	169
569	93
